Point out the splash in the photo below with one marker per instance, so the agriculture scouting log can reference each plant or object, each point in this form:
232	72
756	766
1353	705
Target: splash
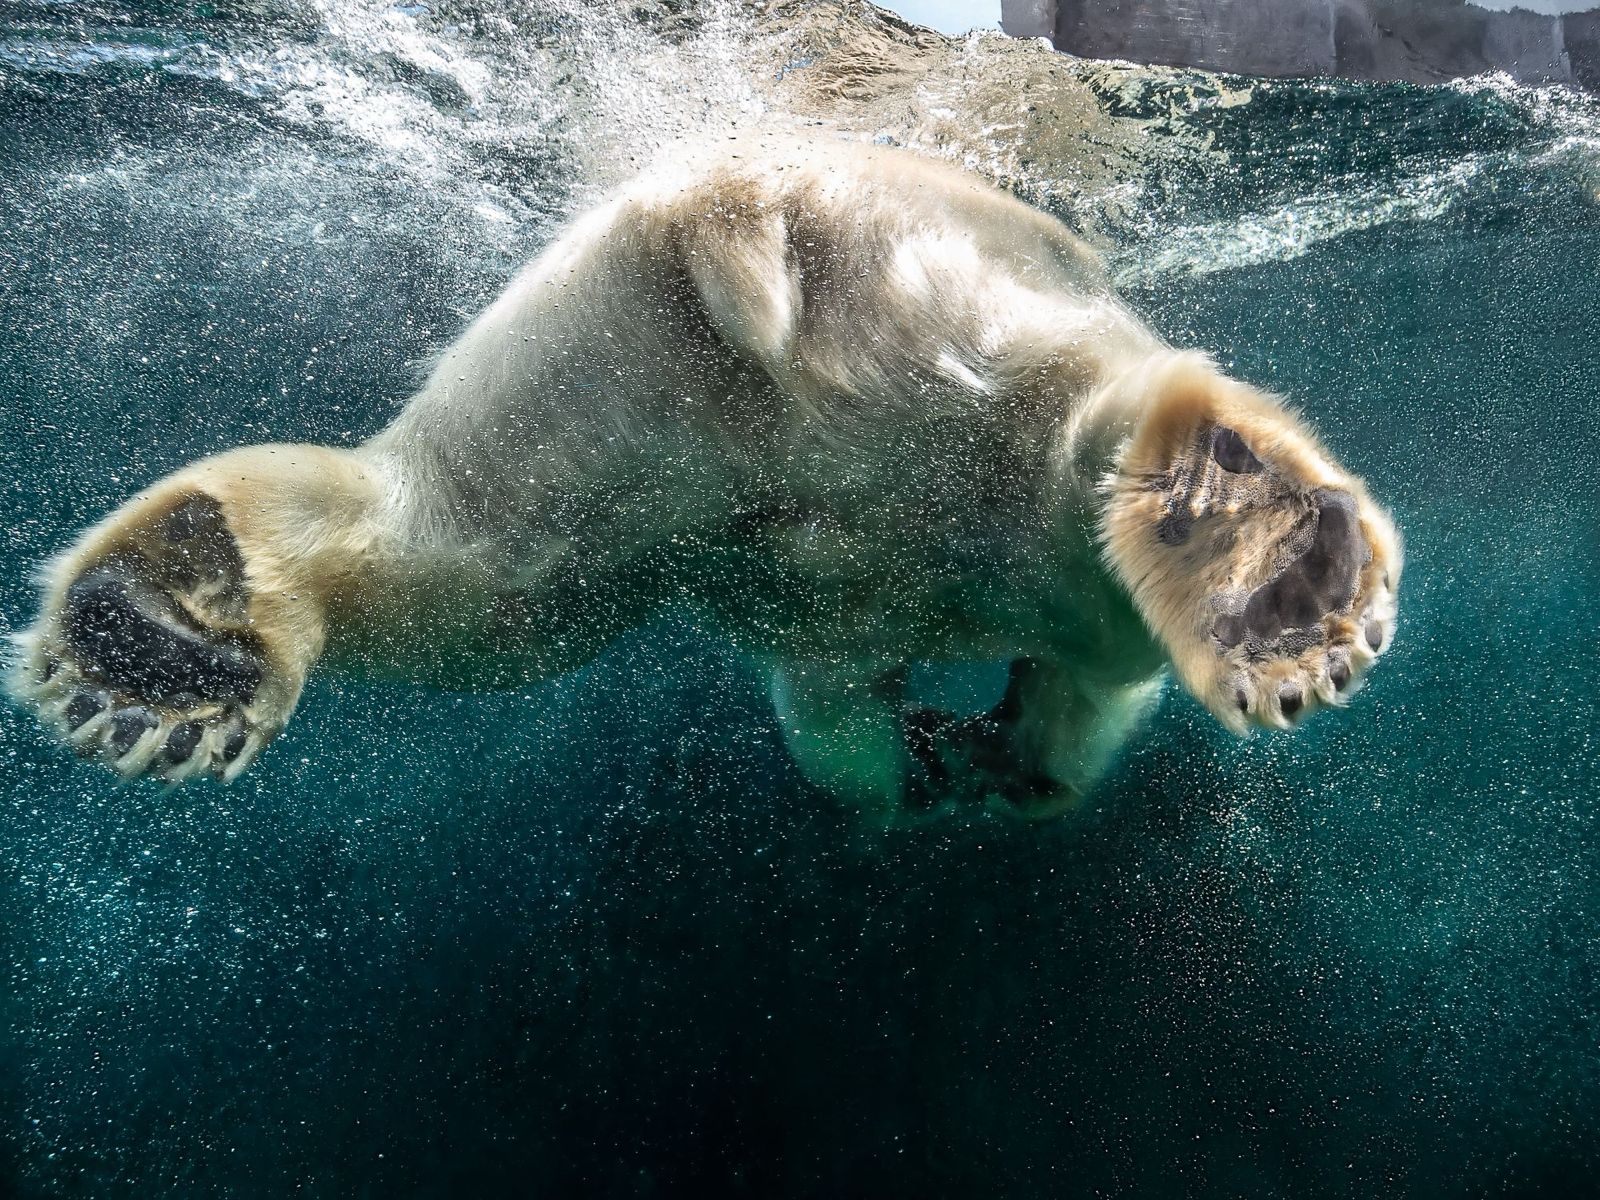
507	116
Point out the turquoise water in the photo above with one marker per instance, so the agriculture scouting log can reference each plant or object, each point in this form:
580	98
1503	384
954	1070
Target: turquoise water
597	938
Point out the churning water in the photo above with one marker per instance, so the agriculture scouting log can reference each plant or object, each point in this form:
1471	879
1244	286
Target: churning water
596	937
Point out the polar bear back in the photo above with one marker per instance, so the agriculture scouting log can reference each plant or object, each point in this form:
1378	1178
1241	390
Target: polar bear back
764	315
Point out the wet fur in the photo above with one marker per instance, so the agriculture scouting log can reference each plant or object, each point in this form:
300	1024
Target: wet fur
865	410
1235	542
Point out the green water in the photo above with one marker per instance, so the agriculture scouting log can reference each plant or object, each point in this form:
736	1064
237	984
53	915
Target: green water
597	938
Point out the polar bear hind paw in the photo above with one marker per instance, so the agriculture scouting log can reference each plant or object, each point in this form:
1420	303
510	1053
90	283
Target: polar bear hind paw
144	658
976	763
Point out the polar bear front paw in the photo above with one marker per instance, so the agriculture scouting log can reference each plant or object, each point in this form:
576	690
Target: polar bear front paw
1305	637
1264	568
145	657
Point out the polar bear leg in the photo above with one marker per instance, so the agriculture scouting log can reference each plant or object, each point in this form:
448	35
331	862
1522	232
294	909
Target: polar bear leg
842	726
1036	753
175	636
1070	727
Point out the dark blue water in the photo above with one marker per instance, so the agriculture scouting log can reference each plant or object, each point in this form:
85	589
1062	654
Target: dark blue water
596	938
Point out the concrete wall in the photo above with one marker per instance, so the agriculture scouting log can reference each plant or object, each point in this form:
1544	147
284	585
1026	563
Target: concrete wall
1423	41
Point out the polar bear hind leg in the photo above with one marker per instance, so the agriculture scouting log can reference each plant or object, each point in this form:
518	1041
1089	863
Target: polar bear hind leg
841	724
1036	753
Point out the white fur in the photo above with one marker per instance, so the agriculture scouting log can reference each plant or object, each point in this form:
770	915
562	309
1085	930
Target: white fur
897	355
602	371
862	408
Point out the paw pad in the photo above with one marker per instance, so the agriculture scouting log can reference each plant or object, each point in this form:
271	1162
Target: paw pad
147	662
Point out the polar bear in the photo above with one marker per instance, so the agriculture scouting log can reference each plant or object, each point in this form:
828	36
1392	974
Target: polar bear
860	408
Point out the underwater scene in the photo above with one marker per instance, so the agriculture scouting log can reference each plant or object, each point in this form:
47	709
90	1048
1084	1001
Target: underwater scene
597	937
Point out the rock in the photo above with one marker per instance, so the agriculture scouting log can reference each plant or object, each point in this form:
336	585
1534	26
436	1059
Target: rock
1421	41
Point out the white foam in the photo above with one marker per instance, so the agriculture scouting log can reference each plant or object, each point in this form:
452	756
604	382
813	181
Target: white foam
1296	227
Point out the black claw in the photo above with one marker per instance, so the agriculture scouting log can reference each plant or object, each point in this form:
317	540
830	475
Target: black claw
1374	633
1242	699
182	741
1339	675
234	746
128	725
1290	699
83	706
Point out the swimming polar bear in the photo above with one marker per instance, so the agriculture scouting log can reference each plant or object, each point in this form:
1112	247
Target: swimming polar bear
858	407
